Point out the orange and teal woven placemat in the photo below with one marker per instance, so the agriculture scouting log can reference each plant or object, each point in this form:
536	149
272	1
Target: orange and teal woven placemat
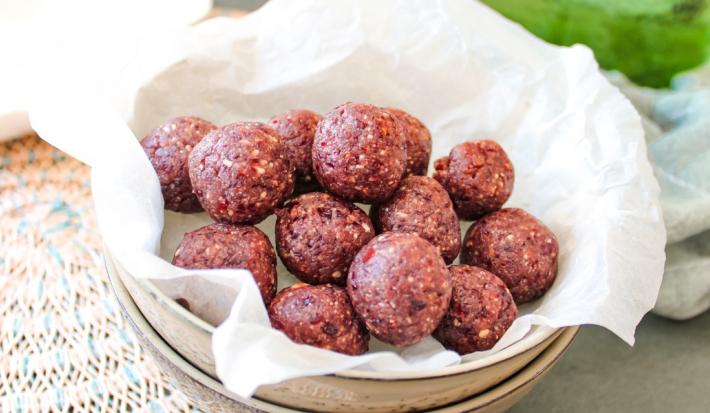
63	344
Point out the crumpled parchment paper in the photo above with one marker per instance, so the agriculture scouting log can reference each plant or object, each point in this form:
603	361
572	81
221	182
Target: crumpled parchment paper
576	142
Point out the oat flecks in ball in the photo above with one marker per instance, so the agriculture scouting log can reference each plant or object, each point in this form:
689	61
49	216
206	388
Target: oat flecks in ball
317	236
168	147
259	125
231	246
297	128
418	142
241	172
516	247
481	311
400	287
422	206
478	175
321	316
359	153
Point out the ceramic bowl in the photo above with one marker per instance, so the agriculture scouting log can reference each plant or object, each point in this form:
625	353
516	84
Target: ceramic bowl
349	391
209	395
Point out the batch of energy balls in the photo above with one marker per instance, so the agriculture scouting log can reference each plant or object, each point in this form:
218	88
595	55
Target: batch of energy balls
387	274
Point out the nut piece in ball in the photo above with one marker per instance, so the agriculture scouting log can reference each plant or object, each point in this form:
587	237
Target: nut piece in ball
168	147
400	287
479	177
241	173
418	142
481	311
229	246
318	235
422	206
516	247
359	153
320	316
297	128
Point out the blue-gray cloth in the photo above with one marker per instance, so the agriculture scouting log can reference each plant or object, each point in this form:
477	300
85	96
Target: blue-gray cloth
677	125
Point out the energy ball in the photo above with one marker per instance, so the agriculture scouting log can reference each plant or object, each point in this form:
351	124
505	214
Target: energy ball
422	206
359	153
168	147
230	246
297	128
479	177
481	311
516	247
320	316
400	287
241	173
418	142
318	235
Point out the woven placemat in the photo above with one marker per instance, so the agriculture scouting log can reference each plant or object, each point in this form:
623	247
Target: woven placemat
63	344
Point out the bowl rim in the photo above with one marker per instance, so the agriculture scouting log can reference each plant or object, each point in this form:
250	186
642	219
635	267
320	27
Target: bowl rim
537	335
515	383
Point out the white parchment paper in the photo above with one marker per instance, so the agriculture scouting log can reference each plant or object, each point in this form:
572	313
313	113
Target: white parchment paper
575	141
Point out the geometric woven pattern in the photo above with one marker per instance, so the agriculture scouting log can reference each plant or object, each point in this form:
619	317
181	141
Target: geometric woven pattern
63	344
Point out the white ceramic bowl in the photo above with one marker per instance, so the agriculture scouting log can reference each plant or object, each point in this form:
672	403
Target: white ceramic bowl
347	391
210	396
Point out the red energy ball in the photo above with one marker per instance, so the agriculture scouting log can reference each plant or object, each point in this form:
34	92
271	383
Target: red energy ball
421	206
168	147
418	142
241	173
359	153
320	316
479	177
318	235
481	311
297	128
516	247
229	246
400	287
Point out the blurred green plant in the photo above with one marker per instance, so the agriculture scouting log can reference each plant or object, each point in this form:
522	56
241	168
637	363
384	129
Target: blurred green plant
648	40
